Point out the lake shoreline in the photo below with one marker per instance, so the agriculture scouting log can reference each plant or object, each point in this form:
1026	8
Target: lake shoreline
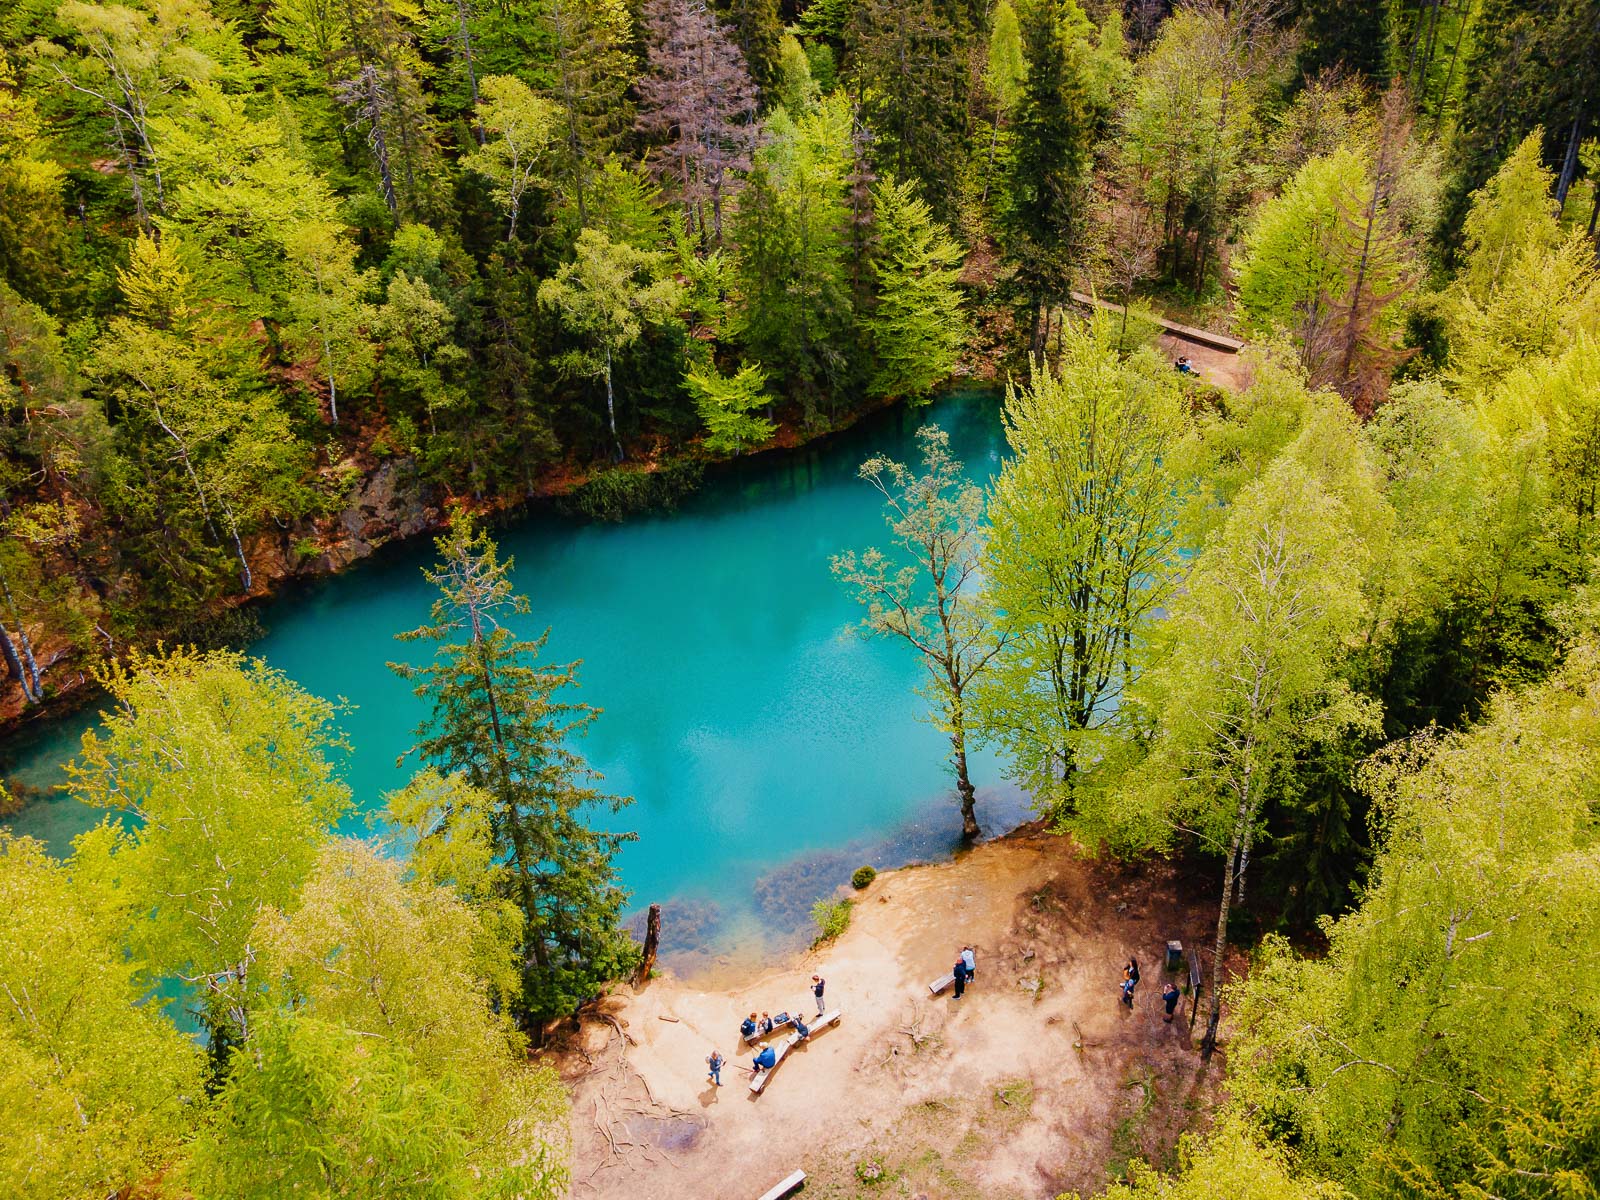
277	564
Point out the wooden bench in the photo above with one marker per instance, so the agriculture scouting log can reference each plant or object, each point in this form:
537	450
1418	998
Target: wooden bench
787	1188
781	1049
939	984
755	1037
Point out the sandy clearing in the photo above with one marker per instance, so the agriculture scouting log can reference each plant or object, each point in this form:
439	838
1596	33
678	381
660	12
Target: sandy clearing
983	1097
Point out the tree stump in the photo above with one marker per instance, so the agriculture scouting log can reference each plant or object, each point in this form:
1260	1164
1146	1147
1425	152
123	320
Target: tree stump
652	936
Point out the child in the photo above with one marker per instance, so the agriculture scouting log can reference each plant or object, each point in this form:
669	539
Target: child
714	1061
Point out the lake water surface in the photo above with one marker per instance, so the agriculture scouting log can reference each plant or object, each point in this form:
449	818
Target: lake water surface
769	751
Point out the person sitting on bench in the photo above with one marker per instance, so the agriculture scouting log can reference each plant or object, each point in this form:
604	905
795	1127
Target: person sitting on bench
748	1027
765	1024
801	1028
765	1061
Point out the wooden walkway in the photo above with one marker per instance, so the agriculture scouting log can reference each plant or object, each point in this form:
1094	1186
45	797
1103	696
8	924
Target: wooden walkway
1201	337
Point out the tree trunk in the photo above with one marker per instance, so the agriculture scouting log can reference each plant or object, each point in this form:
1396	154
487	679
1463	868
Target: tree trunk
1208	1044
1569	163
14	664
472	74
611	407
1241	831
969	794
652	936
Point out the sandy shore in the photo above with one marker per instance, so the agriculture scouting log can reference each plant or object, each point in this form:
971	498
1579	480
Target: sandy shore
1038	1081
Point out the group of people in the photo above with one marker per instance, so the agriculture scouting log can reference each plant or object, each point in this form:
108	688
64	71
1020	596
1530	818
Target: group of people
1183	365
965	969
1130	980
753	1027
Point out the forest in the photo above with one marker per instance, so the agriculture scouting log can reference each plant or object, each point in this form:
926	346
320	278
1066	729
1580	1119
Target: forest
1333	635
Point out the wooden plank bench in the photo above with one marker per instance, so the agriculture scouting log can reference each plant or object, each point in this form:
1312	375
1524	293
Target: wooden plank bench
786	1188
781	1049
776	1025
939	984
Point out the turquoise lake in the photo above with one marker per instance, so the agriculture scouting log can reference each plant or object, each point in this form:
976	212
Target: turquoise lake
768	749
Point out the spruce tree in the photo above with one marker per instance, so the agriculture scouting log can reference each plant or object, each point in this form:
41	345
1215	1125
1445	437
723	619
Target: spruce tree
496	718
1046	215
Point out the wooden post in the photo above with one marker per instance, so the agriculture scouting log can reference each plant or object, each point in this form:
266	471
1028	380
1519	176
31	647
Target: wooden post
652	935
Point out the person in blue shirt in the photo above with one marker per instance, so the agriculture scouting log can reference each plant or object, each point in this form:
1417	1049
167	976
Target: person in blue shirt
765	1061
818	986
960	972
801	1028
714	1061
971	959
748	1027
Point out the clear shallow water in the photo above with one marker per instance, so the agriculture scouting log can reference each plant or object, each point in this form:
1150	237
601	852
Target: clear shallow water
768	750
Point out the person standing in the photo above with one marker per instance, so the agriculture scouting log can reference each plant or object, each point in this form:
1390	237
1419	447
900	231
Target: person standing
1130	980
1169	998
960	972
714	1061
971	959
818	985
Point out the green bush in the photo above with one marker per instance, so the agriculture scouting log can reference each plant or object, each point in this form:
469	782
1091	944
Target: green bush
862	877
621	492
832	918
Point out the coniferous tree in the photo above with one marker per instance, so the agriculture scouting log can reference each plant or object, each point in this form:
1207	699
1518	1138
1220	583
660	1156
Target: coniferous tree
794	309
909	71
755	28
593	65
1044	224
699	104
916	324
497	718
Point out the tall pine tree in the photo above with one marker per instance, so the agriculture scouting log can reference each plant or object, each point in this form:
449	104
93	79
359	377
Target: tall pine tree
495	718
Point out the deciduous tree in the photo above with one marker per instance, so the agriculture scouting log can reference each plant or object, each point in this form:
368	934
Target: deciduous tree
925	591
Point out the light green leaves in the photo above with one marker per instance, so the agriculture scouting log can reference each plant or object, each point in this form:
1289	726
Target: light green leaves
726	403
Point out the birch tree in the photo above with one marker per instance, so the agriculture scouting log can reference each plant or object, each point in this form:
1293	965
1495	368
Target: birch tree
1248	675
222	768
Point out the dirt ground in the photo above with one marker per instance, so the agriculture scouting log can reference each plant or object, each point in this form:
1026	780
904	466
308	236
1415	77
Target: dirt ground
1219	367
1037	1082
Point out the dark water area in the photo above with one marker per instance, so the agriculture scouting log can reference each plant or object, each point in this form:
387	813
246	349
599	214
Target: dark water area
769	750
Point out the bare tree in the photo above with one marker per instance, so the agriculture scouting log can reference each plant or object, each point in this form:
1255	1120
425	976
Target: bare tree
699	102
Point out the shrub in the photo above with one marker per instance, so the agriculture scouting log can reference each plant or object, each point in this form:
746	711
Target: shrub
862	877
832	918
619	492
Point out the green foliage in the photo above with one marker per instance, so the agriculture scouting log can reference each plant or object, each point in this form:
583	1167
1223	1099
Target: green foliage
524	127
862	877
496	718
924	591
607	297
101	1089
1043	225
1419	1050
616	493
1082	557
725	405
794	311
831	917
223	764
383	1066
917	326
